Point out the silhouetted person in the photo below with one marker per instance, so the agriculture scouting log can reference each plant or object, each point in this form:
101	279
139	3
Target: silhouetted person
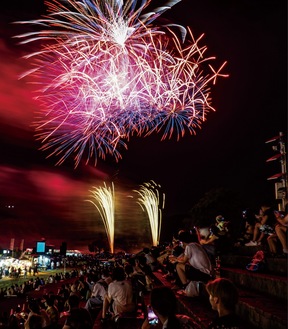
164	304
78	317
223	297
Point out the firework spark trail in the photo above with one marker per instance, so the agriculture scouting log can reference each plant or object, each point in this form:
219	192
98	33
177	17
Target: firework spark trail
149	200
104	201
106	73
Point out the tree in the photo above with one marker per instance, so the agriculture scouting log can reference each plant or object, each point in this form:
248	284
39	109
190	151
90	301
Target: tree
100	242
218	201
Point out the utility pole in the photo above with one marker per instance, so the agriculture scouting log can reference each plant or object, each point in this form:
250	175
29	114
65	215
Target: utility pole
63	250
281	185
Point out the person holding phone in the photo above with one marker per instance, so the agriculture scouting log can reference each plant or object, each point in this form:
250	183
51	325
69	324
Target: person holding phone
162	312
153	319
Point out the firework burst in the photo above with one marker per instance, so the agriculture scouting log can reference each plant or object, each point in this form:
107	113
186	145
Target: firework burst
106	71
150	201
104	201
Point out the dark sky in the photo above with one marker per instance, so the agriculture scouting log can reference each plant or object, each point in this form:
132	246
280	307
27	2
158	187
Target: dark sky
229	151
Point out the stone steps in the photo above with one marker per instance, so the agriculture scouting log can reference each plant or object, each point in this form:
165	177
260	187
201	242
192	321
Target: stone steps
262	311
263	296
274	286
198	308
277	266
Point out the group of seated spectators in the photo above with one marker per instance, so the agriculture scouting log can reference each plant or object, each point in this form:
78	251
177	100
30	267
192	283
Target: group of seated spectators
266	227
112	287
193	254
223	298
111	291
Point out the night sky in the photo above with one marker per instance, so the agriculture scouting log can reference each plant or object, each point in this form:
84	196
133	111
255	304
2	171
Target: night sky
228	151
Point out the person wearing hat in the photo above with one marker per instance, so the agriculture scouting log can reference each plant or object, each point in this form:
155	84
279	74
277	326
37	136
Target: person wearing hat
217	239
222	224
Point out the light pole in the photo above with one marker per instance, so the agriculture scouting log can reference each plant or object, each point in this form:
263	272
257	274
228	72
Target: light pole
280	187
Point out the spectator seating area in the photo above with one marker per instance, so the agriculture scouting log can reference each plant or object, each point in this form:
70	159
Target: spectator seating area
263	295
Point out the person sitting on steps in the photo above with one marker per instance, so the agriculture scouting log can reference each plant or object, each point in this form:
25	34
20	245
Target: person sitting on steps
264	227
195	264
119	296
164	304
223	297
280	234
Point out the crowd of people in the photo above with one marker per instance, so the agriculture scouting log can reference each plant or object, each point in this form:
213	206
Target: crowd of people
110	285
17	270
33	283
268	228
107	285
223	298
109	288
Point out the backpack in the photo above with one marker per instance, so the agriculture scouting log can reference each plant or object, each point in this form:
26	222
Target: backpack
257	263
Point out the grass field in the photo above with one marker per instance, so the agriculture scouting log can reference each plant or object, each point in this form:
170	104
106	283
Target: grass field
7	282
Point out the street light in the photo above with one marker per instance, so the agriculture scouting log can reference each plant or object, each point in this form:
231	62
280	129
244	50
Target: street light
281	185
